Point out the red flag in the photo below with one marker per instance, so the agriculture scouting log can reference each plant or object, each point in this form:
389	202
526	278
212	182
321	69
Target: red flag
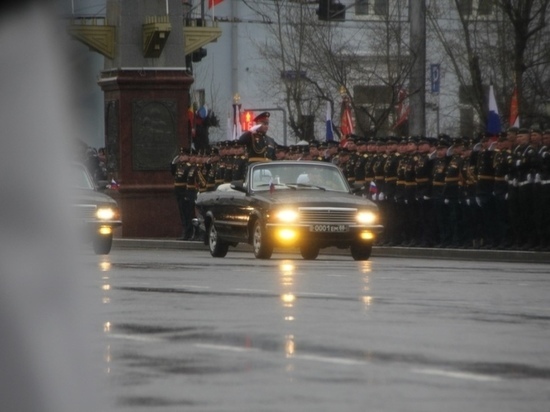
514	109
346	124
402	108
212	3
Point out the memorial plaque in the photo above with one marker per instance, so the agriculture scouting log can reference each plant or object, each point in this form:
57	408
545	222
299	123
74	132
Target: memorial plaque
153	134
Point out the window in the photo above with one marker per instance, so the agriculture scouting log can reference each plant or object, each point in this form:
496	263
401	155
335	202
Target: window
371	7
475	8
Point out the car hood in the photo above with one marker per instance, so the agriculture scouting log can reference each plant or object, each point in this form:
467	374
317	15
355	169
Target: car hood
82	196
315	198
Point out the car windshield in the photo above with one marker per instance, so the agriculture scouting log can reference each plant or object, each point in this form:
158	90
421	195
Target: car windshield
297	176
81	179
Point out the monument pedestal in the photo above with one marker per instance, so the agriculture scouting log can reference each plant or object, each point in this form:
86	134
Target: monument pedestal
145	125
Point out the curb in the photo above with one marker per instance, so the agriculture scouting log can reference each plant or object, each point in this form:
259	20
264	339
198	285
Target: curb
377	251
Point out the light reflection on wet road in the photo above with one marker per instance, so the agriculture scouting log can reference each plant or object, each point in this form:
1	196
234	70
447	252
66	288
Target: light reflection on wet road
186	332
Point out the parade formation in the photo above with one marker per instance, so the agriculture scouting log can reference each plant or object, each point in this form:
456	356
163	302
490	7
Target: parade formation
488	192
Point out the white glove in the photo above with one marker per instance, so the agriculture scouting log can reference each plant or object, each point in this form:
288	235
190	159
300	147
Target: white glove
478	201
447	201
518	162
537	178
375	197
468	202
406	201
529	177
506	196
381	196
426	197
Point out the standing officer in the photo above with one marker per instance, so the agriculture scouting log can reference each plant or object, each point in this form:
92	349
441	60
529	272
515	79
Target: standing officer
525	163
423	175
439	172
180	168
259	146
484	191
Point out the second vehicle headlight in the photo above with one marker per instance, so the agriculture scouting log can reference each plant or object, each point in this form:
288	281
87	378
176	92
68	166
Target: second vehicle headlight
105	213
366	218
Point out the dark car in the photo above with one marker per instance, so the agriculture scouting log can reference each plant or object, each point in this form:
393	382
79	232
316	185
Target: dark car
96	213
304	204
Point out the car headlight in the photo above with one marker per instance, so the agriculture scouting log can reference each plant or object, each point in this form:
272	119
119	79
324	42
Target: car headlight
287	215
105	213
366	218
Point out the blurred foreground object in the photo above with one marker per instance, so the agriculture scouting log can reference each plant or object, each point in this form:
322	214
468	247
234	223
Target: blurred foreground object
46	354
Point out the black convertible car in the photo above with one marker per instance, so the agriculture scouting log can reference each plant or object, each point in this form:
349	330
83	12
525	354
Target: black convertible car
304	204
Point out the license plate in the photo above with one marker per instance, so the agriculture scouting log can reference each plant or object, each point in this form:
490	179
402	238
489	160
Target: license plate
329	228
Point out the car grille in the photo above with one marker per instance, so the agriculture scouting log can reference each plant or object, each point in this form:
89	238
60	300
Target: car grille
327	215
84	212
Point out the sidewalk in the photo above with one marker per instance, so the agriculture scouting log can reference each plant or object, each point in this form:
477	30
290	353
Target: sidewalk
397	252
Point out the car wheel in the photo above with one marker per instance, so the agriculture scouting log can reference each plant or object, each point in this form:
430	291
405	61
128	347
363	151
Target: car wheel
263	247
309	252
102	244
361	251
218	248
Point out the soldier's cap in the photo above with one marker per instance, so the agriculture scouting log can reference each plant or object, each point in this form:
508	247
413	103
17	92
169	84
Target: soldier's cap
361	141
523	130
432	140
391	140
513	129
536	130
262	117
313	143
414	139
381	141
214	150
332	143
281	148
457	141
304	148
546	131
502	137
443	143
343	151
403	141
323	145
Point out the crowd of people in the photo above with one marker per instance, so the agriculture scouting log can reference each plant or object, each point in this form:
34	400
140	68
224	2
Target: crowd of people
489	192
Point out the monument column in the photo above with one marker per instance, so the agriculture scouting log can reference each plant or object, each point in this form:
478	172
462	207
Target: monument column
146	94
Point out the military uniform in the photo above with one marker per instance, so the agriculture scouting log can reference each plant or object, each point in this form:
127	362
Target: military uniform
423	174
180	169
525	163
439	172
484	193
259	146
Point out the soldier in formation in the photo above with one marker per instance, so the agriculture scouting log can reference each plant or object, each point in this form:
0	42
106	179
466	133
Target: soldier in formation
487	192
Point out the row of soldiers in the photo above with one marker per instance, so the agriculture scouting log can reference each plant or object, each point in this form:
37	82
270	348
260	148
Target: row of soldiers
493	192
490	192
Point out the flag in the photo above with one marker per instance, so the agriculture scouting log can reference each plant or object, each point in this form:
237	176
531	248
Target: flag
236	129
329	134
212	3
493	121
373	189
514	109
402	108
346	125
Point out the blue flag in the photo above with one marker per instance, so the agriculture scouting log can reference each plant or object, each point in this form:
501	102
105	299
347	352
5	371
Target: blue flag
493	121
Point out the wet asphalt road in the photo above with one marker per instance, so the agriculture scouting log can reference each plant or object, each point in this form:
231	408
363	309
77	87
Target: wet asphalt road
186	332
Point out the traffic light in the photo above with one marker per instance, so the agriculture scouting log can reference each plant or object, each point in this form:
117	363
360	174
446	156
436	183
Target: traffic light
199	54
329	10
247	120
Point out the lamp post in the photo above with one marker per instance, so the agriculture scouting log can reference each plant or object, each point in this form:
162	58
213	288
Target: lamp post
236	115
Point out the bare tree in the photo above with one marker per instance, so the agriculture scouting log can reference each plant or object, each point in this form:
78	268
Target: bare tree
312	61
499	42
